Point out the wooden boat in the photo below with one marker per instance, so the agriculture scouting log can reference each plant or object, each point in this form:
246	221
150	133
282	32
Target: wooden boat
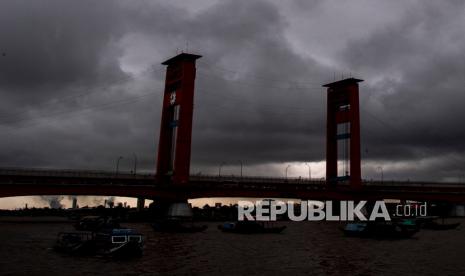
356	229
382	230
75	243
433	225
118	242
177	226
95	223
251	227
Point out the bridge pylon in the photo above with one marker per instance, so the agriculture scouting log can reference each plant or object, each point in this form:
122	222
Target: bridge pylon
174	148
343	133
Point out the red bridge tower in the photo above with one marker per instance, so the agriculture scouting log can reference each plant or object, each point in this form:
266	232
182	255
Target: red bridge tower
343	133
174	148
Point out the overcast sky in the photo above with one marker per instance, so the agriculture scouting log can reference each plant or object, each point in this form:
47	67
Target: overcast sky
81	83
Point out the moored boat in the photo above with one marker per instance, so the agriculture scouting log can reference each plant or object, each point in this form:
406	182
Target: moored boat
433	225
383	230
117	242
251	227
356	229
75	243
95	223
177	226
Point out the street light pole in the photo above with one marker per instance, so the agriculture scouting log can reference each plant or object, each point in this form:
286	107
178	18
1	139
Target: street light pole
287	168
382	173
117	164
219	169
240	161
309	171
135	163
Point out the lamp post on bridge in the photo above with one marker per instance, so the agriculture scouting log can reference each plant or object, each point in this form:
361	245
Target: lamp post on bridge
219	169
135	163
117	164
240	161
287	168
382	173
309	171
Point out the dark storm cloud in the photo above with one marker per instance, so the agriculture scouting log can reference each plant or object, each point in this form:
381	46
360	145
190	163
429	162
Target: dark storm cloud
412	103
51	44
64	90
77	46
265	98
81	84
416	100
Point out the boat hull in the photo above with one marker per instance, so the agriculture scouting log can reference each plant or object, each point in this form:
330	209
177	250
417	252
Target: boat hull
381	231
177	227
440	226
111	242
249	228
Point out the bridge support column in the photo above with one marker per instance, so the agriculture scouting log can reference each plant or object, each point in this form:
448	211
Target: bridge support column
343	129
140	204
180	210
163	210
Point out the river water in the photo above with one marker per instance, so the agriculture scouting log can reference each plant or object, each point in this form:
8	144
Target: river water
304	248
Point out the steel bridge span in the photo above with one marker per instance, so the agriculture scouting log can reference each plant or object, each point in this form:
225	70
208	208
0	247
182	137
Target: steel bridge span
26	182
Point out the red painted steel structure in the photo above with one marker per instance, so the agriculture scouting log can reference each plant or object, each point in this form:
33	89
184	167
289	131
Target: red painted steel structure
343	123
174	148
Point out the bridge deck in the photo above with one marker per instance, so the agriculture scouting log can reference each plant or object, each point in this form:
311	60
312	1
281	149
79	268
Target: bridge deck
21	182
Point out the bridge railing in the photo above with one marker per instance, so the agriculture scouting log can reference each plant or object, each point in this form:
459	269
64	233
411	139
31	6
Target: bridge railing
255	179
408	183
213	179
70	173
